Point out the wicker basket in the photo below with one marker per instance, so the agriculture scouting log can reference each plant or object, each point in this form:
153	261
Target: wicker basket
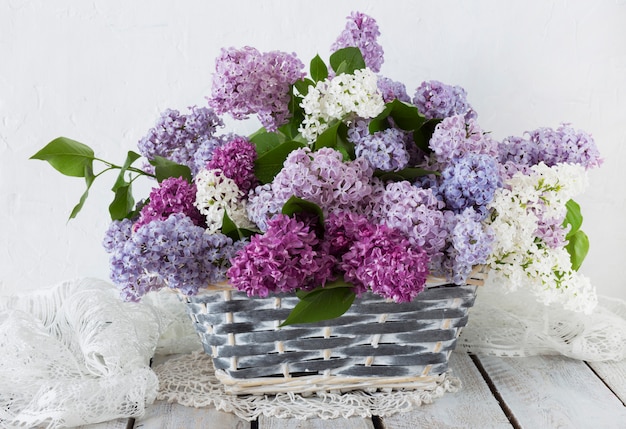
377	344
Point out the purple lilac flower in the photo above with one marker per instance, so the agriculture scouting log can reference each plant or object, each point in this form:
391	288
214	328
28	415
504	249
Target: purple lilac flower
470	244
176	136
384	261
454	137
342	229
321	177
285	258
236	160
385	150
361	31
173	195
414	211
171	253
470	181
551	230
438	100
247	81
204	153
391	90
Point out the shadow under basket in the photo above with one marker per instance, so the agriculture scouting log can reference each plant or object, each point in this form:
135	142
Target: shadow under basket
376	344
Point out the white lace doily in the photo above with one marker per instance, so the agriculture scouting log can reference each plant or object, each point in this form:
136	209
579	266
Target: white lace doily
515	324
190	380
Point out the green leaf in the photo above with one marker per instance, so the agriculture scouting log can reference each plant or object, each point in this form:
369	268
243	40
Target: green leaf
573	217
130	158
577	247
302	85
89	179
410	174
265	141
319	71
422	135
267	166
67	156
164	169
290	129
336	137
230	229
298	205
321	304
347	60
123	202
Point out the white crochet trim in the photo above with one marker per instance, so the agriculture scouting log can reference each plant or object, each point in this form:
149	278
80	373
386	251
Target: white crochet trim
190	381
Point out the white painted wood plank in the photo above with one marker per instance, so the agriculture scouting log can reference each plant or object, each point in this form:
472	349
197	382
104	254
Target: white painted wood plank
614	375
351	423
554	392
166	415
471	407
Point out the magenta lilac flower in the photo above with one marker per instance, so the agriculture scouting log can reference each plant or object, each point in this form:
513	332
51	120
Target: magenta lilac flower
384	150
247	82
173	195
171	253
285	258
385	262
342	229
177	136
361	31
470	181
236	161
438	100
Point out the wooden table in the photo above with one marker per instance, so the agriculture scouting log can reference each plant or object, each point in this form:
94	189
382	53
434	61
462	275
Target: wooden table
533	392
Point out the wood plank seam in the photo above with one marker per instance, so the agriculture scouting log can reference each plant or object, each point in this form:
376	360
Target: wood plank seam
605	383
494	391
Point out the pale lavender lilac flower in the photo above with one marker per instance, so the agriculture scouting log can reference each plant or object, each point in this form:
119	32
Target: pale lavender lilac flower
173	195
173	253
247	81
392	90
321	177
470	243
287	257
177	136
455	136
563	145
435	99
361	31
414	211
384	150
470	181
236	161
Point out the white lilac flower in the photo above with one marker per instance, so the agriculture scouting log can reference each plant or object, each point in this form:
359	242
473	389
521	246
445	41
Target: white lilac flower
343	97
216	194
523	255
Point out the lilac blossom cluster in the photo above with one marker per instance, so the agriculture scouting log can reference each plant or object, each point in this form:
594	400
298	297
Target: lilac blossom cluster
321	177
247	81
455	136
550	146
391	90
470	181
236	161
384	150
173	252
287	257
177	136
361	31
173	195
438	100
376	257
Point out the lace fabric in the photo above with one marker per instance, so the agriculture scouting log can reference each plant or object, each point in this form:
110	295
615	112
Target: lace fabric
75	354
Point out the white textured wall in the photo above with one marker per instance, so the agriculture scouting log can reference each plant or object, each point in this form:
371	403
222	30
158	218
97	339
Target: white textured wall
101	71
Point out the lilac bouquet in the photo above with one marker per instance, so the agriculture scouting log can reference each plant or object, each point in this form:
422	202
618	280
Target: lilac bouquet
350	186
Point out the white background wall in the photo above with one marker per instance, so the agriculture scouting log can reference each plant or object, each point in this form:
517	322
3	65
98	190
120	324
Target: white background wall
101	71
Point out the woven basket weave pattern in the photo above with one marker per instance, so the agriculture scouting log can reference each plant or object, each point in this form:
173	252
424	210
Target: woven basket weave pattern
376	338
